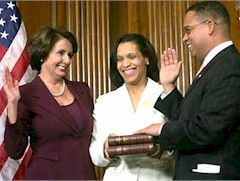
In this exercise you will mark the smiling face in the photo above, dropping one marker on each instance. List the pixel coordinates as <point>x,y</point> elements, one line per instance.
<point>58,60</point>
<point>131,64</point>
<point>196,35</point>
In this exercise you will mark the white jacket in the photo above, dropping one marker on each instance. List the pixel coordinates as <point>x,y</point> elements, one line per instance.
<point>114,113</point>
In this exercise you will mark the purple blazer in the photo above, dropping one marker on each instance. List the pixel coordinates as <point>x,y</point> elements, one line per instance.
<point>60,144</point>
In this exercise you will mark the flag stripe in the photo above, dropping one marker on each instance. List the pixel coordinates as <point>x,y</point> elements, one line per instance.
<point>3,156</point>
<point>14,55</point>
<point>21,170</point>
<point>2,101</point>
<point>22,65</point>
<point>3,50</point>
<point>9,169</point>
<point>15,50</point>
<point>2,125</point>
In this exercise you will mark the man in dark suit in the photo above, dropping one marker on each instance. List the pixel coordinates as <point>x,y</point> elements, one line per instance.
<point>204,127</point>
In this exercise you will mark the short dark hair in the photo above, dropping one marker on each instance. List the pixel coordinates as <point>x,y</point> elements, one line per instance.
<point>147,50</point>
<point>212,9</point>
<point>44,40</point>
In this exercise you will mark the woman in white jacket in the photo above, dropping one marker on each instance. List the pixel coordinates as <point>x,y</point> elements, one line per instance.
<point>134,71</point>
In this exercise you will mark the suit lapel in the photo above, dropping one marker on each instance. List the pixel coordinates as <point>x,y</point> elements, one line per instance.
<point>76,93</point>
<point>47,102</point>
<point>82,99</point>
<point>214,61</point>
<point>197,78</point>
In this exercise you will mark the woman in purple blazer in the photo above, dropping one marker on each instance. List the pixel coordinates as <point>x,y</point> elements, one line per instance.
<point>54,112</point>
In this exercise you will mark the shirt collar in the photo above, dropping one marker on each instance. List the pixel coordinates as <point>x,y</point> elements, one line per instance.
<point>215,51</point>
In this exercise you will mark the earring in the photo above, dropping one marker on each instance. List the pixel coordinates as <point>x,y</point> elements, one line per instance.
<point>147,63</point>
<point>41,60</point>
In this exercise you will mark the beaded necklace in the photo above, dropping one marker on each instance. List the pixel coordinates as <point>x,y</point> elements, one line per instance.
<point>62,91</point>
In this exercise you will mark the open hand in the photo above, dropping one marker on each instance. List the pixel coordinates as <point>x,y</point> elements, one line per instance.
<point>10,86</point>
<point>170,69</point>
<point>12,92</point>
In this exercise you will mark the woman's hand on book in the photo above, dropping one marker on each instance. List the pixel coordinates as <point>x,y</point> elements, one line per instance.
<point>106,147</point>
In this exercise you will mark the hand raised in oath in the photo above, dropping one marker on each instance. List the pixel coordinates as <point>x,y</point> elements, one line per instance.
<point>170,69</point>
<point>12,92</point>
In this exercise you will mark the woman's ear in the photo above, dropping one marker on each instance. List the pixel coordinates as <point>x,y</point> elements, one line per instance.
<point>147,61</point>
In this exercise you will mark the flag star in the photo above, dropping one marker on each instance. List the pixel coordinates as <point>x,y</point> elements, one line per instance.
<point>10,5</point>
<point>4,34</point>
<point>13,18</point>
<point>1,9</point>
<point>2,22</point>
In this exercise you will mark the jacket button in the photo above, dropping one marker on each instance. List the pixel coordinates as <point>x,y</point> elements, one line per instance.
<point>76,136</point>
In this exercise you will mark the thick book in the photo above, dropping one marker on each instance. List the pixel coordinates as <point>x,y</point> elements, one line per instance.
<point>145,148</point>
<point>130,139</point>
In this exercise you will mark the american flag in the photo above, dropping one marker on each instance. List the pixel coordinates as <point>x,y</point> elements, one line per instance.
<point>14,54</point>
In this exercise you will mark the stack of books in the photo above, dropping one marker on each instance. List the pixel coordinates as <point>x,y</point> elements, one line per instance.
<point>131,144</point>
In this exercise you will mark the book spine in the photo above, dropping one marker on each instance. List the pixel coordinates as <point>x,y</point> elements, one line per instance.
<point>130,139</point>
<point>147,148</point>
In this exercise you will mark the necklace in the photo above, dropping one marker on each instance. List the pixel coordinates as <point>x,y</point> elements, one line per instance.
<point>62,91</point>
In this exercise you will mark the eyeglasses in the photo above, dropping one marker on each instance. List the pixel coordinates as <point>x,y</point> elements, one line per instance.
<point>188,29</point>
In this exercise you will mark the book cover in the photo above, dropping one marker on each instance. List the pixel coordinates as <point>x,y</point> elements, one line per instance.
<point>130,139</point>
<point>146,148</point>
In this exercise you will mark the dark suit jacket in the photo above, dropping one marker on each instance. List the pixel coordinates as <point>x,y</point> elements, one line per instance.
<point>60,144</point>
<point>204,126</point>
